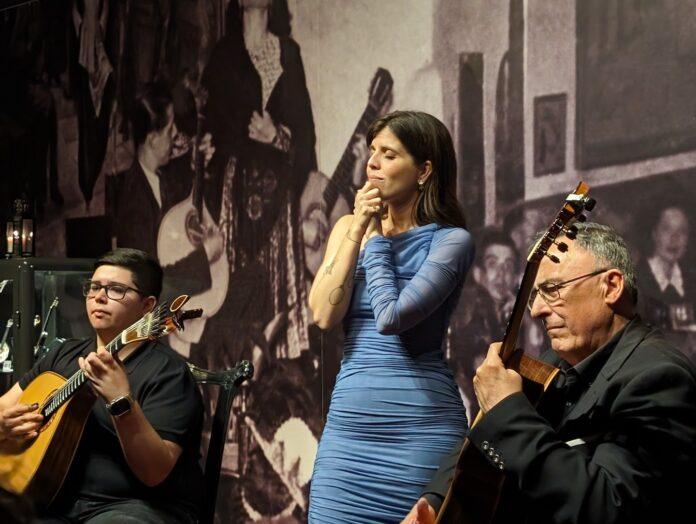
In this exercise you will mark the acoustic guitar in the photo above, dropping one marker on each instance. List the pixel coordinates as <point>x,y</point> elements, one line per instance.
<point>179,235</point>
<point>324,200</point>
<point>37,468</point>
<point>477,487</point>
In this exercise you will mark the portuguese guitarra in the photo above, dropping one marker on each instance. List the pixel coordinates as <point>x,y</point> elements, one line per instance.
<point>37,468</point>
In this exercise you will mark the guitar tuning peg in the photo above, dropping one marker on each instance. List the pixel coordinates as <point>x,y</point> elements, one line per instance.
<point>553,258</point>
<point>582,218</point>
<point>590,203</point>
<point>571,232</point>
<point>562,246</point>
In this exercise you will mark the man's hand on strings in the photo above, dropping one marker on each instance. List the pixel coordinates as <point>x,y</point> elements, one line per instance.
<point>493,382</point>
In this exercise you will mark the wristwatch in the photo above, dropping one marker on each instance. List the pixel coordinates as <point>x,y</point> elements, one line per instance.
<point>120,405</point>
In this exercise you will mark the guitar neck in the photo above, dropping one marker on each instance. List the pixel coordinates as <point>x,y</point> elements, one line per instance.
<point>512,329</point>
<point>198,163</point>
<point>341,182</point>
<point>73,384</point>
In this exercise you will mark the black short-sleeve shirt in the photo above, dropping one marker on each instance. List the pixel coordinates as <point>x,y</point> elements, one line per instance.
<point>165,390</point>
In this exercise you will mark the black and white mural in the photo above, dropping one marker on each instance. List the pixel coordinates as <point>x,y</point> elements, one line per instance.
<point>271,101</point>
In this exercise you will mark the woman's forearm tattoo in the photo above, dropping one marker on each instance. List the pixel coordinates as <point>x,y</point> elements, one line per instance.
<point>337,295</point>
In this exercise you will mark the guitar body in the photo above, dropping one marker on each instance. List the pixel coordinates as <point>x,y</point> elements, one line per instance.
<point>317,220</point>
<point>38,468</point>
<point>477,487</point>
<point>174,244</point>
<point>175,241</point>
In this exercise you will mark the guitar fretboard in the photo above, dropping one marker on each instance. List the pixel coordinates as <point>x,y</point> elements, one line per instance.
<point>73,383</point>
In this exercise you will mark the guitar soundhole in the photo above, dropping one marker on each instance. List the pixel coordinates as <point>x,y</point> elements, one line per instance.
<point>193,228</point>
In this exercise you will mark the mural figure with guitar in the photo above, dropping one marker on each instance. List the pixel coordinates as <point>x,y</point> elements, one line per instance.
<point>326,199</point>
<point>120,436</point>
<point>601,428</point>
<point>156,210</point>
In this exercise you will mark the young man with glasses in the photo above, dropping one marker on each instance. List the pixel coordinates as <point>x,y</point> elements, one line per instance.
<point>138,457</point>
<point>614,436</point>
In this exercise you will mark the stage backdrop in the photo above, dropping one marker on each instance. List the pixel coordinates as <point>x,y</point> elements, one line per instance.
<point>537,95</point>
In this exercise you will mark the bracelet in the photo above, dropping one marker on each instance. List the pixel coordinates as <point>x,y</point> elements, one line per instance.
<point>356,241</point>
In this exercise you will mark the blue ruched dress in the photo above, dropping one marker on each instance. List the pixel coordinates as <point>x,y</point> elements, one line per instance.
<point>395,409</point>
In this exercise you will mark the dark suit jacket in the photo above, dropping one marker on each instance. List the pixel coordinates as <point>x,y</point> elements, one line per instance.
<point>137,219</point>
<point>632,438</point>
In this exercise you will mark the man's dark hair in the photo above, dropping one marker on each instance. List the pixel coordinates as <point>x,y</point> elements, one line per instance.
<point>147,273</point>
<point>150,111</point>
<point>493,236</point>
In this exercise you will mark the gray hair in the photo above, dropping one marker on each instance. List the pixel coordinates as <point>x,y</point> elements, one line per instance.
<point>609,250</point>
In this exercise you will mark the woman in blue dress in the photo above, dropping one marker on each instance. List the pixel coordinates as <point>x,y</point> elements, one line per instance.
<point>393,272</point>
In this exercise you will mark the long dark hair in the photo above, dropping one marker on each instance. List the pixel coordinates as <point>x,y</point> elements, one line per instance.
<point>426,138</point>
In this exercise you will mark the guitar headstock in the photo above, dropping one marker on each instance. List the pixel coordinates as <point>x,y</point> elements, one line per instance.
<point>380,92</point>
<point>176,321</point>
<point>161,321</point>
<point>574,207</point>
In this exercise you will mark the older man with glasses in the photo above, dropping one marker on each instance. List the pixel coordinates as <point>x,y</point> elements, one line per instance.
<point>614,438</point>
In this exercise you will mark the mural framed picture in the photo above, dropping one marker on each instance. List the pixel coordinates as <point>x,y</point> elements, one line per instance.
<point>550,134</point>
<point>634,101</point>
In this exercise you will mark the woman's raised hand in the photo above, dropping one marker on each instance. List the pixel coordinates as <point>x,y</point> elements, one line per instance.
<point>368,204</point>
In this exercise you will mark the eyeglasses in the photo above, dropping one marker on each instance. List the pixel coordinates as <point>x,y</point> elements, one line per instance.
<point>550,292</point>
<point>113,291</point>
